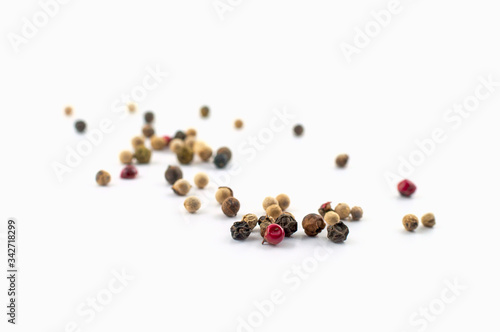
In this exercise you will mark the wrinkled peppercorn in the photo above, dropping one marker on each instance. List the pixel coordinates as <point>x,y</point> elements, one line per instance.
<point>225,150</point>
<point>251,220</point>
<point>268,219</point>
<point>428,220</point>
<point>325,208</point>
<point>142,154</point>
<point>231,206</point>
<point>149,117</point>
<point>298,130</point>
<point>313,224</point>
<point>221,160</point>
<point>342,160</point>
<point>263,227</point>
<point>80,126</point>
<point>240,230</point>
<point>103,178</point>
<point>172,174</point>
<point>180,135</point>
<point>288,223</point>
<point>338,232</point>
<point>410,222</point>
<point>185,155</point>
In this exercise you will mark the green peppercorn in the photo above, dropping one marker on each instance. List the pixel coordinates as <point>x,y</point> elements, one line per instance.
<point>142,154</point>
<point>185,155</point>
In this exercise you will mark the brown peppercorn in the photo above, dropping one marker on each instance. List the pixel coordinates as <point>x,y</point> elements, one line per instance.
<point>223,193</point>
<point>263,227</point>
<point>103,178</point>
<point>205,112</point>
<point>288,223</point>
<point>137,141</point>
<point>68,110</point>
<point>148,131</point>
<point>325,208</point>
<point>428,220</point>
<point>205,153</point>
<point>298,130</point>
<point>181,187</point>
<point>342,160</point>
<point>142,154</point>
<point>338,232</point>
<point>191,132</point>
<point>313,224</point>
<point>238,124</point>
<point>149,117</point>
<point>356,213</point>
<point>225,150</point>
<point>231,206</point>
<point>251,220</point>
<point>283,201</point>
<point>172,174</point>
<point>410,222</point>
<point>192,204</point>
<point>268,201</point>
<point>332,218</point>
<point>343,210</point>
<point>176,145</point>
<point>201,180</point>
<point>126,157</point>
<point>158,143</point>
<point>274,211</point>
<point>185,155</point>
<point>132,107</point>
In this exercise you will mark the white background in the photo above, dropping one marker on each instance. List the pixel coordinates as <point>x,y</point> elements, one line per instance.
<point>189,275</point>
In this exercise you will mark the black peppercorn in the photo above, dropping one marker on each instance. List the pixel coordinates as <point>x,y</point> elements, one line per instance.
<point>266,219</point>
<point>80,126</point>
<point>288,223</point>
<point>221,160</point>
<point>180,134</point>
<point>338,232</point>
<point>149,117</point>
<point>298,130</point>
<point>226,151</point>
<point>172,174</point>
<point>240,230</point>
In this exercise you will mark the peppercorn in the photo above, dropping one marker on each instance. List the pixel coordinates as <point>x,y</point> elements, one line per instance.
<point>143,155</point>
<point>298,130</point>
<point>149,117</point>
<point>176,145</point>
<point>338,232</point>
<point>172,174</point>
<point>180,135</point>
<point>313,224</point>
<point>191,132</point>
<point>251,220</point>
<point>190,141</point>
<point>185,155</point>
<point>274,211</point>
<point>221,160</point>
<point>205,153</point>
<point>132,107</point>
<point>325,208</point>
<point>406,188</point>
<point>288,223</point>
<point>129,172</point>
<point>283,201</point>
<point>80,126</point>
<point>240,230</point>
<point>428,220</point>
<point>238,124</point>
<point>343,210</point>
<point>205,112</point>
<point>263,227</point>
<point>157,143</point>
<point>225,150</point>
<point>126,157</point>
<point>231,206</point>
<point>68,110</point>
<point>266,218</point>
<point>137,141</point>
<point>103,178</point>
<point>201,180</point>
<point>274,234</point>
<point>410,222</point>
<point>332,218</point>
<point>342,160</point>
<point>223,193</point>
<point>148,131</point>
<point>181,187</point>
<point>167,140</point>
<point>192,204</point>
<point>356,213</point>
<point>268,201</point>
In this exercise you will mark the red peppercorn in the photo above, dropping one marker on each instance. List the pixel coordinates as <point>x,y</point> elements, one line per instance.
<point>167,140</point>
<point>129,172</point>
<point>406,188</point>
<point>274,234</point>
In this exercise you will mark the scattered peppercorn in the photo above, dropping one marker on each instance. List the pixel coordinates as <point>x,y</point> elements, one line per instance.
<point>157,143</point>
<point>313,224</point>
<point>185,155</point>
<point>190,141</point>
<point>274,234</point>
<point>332,218</point>
<point>132,107</point>
<point>342,160</point>
<point>343,210</point>
<point>274,211</point>
<point>223,193</point>
<point>263,227</point>
<point>103,178</point>
<point>298,130</point>
<point>240,230</point>
<point>149,117</point>
<point>181,187</point>
<point>268,201</point>
<point>221,160</point>
<point>225,150</point>
<point>126,157</point>
<point>338,232</point>
<point>129,172</point>
<point>192,204</point>
<point>137,141</point>
<point>325,208</point>
<point>410,222</point>
<point>283,201</point>
<point>238,124</point>
<point>142,154</point>
<point>176,145</point>
<point>191,132</point>
<point>167,140</point>
<point>266,218</point>
<point>406,188</point>
<point>148,131</point>
<point>288,223</point>
<point>68,110</point>
<point>428,220</point>
<point>172,174</point>
<point>356,213</point>
<point>251,220</point>
<point>231,206</point>
<point>80,126</point>
<point>180,135</point>
<point>201,180</point>
<point>205,153</point>
<point>205,112</point>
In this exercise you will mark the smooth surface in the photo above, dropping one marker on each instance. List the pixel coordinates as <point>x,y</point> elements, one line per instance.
<point>189,275</point>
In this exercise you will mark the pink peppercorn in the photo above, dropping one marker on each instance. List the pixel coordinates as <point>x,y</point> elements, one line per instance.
<point>167,140</point>
<point>406,188</point>
<point>274,234</point>
<point>129,172</point>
